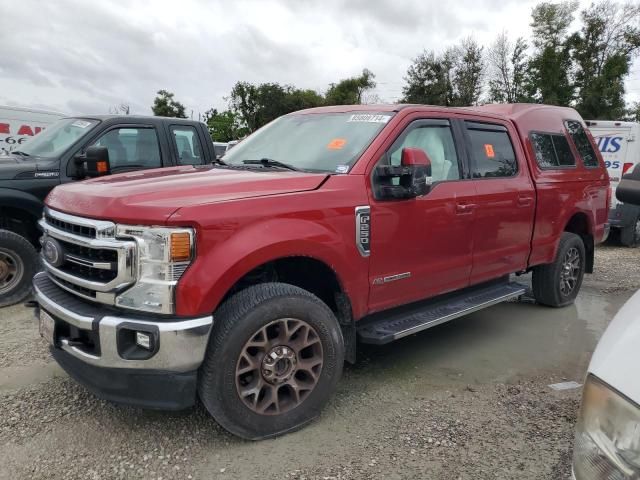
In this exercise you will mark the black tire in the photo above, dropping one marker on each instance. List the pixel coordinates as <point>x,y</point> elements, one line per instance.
<point>236,323</point>
<point>548,288</point>
<point>18,264</point>
<point>630,235</point>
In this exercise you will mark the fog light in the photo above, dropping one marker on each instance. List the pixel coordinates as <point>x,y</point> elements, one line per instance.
<point>143,340</point>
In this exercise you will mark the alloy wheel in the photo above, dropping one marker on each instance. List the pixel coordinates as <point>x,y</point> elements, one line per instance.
<point>570,271</point>
<point>11,270</point>
<point>279,366</point>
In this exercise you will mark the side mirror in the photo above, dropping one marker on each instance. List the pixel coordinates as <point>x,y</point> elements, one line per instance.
<point>628,190</point>
<point>413,174</point>
<point>94,163</point>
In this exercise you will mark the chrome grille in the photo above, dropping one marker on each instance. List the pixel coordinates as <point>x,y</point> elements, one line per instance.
<point>91,263</point>
<point>81,230</point>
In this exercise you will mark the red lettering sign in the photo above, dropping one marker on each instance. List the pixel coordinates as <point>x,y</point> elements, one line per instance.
<point>25,130</point>
<point>4,128</point>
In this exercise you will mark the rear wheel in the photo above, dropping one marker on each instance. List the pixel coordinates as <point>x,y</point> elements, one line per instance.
<point>630,235</point>
<point>18,265</point>
<point>274,358</point>
<point>557,284</point>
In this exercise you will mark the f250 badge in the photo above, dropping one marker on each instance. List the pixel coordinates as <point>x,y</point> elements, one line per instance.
<point>363,230</point>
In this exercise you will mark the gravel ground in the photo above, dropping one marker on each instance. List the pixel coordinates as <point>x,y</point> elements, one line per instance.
<point>616,269</point>
<point>467,400</point>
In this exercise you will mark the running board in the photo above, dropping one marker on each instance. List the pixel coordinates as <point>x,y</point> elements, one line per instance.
<point>385,327</point>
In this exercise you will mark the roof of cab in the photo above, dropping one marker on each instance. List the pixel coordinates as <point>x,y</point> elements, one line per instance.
<point>134,118</point>
<point>513,111</point>
<point>393,107</point>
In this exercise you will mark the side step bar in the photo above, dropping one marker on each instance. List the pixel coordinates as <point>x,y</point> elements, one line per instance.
<point>385,327</point>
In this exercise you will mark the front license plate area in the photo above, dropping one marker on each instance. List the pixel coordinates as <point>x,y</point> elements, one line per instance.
<point>47,327</point>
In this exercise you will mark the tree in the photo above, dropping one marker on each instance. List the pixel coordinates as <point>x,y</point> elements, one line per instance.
<point>507,70</point>
<point>602,54</point>
<point>223,126</point>
<point>633,113</point>
<point>300,99</point>
<point>243,102</point>
<point>454,78</point>
<point>550,66</point>
<point>349,91</point>
<point>165,106</point>
<point>428,79</point>
<point>468,73</point>
<point>257,105</point>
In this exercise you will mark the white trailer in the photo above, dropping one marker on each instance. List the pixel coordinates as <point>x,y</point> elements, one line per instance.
<point>17,125</point>
<point>619,143</point>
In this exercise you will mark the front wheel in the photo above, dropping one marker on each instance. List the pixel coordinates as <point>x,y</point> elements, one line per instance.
<point>18,265</point>
<point>275,355</point>
<point>557,284</point>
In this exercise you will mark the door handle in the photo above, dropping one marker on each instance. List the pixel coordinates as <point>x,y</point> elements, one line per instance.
<point>464,208</point>
<point>525,200</point>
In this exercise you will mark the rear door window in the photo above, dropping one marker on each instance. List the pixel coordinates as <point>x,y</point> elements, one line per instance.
<point>491,151</point>
<point>187,145</point>
<point>582,143</point>
<point>552,150</point>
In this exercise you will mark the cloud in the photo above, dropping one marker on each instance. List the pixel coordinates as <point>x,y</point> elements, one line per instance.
<point>85,57</point>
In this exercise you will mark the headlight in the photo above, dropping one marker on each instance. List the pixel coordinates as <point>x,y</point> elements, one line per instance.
<point>163,256</point>
<point>607,445</point>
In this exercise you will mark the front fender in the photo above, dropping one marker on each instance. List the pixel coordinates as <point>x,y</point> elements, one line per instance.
<point>20,200</point>
<point>221,262</point>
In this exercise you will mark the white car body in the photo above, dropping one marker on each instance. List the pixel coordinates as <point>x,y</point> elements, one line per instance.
<point>616,360</point>
<point>17,125</point>
<point>607,444</point>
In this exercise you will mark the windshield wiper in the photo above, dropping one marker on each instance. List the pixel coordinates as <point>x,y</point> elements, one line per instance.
<point>18,152</point>
<point>269,162</point>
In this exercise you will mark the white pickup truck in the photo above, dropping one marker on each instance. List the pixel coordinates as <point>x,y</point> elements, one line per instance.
<point>607,444</point>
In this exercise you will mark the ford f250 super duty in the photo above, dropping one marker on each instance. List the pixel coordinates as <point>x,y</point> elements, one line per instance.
<point>249,283</point>
<point>59,154</point>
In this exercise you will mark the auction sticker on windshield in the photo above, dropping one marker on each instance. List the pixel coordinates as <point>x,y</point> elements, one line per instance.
<point>337,144</point>
<point>81,124</point>
<point>369,118</point>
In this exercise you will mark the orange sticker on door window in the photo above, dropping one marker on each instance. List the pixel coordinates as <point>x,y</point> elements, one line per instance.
<point>336,144</point>
<point>488,149</point>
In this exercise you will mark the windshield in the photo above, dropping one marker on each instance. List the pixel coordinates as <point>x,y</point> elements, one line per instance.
<point>324,142</point>
<point>57,137</point>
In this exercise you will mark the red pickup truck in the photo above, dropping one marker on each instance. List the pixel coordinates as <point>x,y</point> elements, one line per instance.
<point>249,282</point>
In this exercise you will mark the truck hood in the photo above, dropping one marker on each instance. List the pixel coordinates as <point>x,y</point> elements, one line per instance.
<point>616,358</point>
<point>152,196</point>
<point>12,166</point>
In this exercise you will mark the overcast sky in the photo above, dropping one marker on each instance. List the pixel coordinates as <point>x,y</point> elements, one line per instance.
<point>79,56</point>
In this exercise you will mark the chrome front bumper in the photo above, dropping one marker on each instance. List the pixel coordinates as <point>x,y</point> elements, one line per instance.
<point>181,343</point>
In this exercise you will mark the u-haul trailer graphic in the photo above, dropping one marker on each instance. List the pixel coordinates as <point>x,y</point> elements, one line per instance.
<point>17,125</point>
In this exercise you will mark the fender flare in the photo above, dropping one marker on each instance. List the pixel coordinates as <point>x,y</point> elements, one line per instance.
<point>20,200</point>
<point>589,249</point>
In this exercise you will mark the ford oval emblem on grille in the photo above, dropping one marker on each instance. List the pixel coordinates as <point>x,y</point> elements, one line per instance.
<point>53,252</point>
